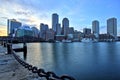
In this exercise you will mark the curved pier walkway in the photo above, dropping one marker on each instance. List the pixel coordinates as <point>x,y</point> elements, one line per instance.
<point>10,69</point>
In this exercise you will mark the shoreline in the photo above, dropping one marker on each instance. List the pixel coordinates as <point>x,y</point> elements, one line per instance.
<point>10,69</point>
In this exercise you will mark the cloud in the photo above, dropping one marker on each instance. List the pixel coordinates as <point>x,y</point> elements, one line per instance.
<point>2,24</point>
<point>3,21</point>
<point>102,27</point>
<point>34,12</point>
<point>3,31</point>
<point>4,17</point>
<point>25,20</point>
<point>22,13</point>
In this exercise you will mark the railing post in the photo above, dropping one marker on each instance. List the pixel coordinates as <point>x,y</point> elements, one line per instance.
<point>24,50</point>
<point>1,42</point>
<point>9,46</point>
<point>4,44</point>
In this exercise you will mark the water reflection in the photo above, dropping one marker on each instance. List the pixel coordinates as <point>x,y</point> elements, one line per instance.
<point>34,55</point>
<point>84,61</point>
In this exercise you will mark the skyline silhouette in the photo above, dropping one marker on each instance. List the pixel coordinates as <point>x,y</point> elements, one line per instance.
<point>80,13</point>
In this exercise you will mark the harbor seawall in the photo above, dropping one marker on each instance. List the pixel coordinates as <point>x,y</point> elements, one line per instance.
<point>10,69</point>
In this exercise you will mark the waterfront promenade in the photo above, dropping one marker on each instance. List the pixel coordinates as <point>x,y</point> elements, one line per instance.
<point>10,69</point>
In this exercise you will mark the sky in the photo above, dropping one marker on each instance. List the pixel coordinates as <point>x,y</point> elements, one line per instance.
<point>80,13</point>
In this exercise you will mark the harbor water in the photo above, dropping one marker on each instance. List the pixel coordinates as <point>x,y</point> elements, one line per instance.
<point>83,61</point>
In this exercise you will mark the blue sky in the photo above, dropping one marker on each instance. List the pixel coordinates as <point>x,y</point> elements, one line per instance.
<point>80,13</point>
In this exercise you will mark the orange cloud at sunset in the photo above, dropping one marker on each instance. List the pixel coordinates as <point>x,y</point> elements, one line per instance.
<point>3,32</point>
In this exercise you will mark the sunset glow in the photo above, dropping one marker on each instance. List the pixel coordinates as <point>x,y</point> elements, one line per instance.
<point>80,13</point>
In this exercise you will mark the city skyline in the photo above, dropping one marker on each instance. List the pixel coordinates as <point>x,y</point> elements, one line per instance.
<point>80,13</point>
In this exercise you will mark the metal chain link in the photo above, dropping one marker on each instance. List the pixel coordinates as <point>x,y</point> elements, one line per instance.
<point>41,73</point>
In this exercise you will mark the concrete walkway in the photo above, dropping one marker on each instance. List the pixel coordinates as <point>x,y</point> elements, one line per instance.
<point>10,69</point>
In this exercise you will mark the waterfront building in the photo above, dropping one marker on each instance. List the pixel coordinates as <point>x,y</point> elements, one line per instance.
<point>70,36</point>
<point>65,26</point>
<point>106,37</point>
<point>71,30</point>
<point>77,36</point>
<point>43,29</point>
<point>55,21</point>
<point>58,30</point>
<point>60,37</point>
<point>12,25</point>
<point>23,31</point>
<point>50,35</point>
<point>70,33</point>
<point>87,31</point>
<point>95,28</point>
<point>112,27</point>
<point>35,32</point>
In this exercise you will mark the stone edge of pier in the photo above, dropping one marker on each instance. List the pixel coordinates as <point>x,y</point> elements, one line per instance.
<point>10,69</point>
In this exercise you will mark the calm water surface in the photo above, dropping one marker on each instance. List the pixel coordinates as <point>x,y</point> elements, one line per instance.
<point>83,61</point>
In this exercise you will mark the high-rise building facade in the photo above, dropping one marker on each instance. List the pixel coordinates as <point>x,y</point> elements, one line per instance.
<point>12,25</point>
<point>65,26</point>
<point>112,27</point>
<point>95,28</point>
<point>43,29</point>
<point>71,30</point>
<point>50,34</point>
<point>24,31</point>
<point>87,31</point>
<point>55,21</point>
<point>35,32</point>
<point>58,30</point>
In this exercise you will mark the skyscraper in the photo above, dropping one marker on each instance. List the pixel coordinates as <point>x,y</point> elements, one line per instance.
<point>112,27</point>
<point>95,28</point>
<point>43,29</point>
<point>49,35</point>
<point>55,20</point>
<point>58,30</point>
<point>12,25</point>
<point>65,26</point>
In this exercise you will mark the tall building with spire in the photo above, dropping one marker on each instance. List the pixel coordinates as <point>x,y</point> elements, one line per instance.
<point>112,27</point>
<point>55,21</point>
<point>95,28</point>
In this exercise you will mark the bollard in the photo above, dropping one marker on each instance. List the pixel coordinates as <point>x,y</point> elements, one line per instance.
<point>4,44</point>
<point>0,42</point>
<point>9,48</point>
<point>25,50</point>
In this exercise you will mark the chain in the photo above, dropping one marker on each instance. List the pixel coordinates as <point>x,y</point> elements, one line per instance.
<point>41,73</point>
